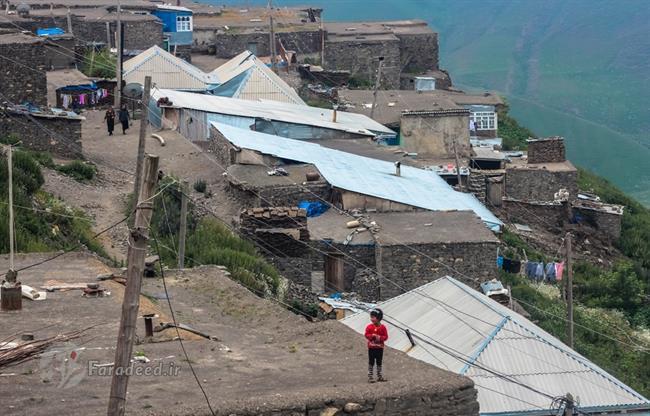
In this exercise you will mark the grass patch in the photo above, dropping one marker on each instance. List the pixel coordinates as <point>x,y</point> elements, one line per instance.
<point>78,170</point>
<point>514,135</point>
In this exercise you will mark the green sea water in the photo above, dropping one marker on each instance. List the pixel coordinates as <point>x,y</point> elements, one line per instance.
<point>575,68</point>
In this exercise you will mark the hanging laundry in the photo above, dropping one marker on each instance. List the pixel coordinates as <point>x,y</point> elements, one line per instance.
<point>507,264</point>
<point>499,262</point>
<point>515,267</point>
<point>531,268</point>
<point>65,100</point>
<point>82,99</point>
<point>550,272</point>
<point>559,269</point>
<point>539,271</point>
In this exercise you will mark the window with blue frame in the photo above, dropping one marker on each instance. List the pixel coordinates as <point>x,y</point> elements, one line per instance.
<point>183,23</point>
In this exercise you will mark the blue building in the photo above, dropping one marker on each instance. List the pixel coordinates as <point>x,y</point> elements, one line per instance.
<point>177,25</point>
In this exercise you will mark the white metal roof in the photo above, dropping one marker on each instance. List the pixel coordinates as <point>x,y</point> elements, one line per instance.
<point>277,111</point>
<point>166,71</point>
<point>416,187</point>
<point>258,80</point>
<point>454,316</point>
<point>175,8</point>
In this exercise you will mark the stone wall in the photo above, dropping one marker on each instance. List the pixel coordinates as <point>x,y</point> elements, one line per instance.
<point>546,150</point>
<point>228,45</point>
<point>542,215</point>
<point>60,52</point>
<point>359,56</point>
<point>204,40</point>
<point>18,84</point>
<point>607,223</point>
<point>433,133</point>
<point>425,402</point>
<point>409,269</point>
<point>138,34</point>
<point>57,135</point>
<point>418,52</point>
<point>528,183</point>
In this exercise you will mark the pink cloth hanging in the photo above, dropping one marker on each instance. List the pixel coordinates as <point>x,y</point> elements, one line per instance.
<point>559,269</point>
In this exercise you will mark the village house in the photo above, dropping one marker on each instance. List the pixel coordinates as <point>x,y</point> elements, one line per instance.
<point>20,85</point>
<point>228,31</point>
<point>503,350</point>
<point>191,115</point>
<point>408,48</point>
<point>177,29</point>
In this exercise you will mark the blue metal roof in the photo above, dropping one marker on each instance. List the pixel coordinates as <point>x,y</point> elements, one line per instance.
<point>416,187</point>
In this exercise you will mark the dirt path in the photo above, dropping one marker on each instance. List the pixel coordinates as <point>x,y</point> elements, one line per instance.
<point>104,198</point>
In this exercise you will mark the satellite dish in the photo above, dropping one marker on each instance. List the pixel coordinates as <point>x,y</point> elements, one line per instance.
<point>133,90</point>
<point>22,9</point>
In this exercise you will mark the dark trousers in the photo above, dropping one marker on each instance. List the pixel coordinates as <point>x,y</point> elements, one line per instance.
<point>375,356</point>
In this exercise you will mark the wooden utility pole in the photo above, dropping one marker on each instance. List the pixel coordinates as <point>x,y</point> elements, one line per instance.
<point>272,45</point>
<point>183,227</point>
<point>131,303</point>
<point>377,84</point>
<point>460,183</point>
<point>11,290</point>
<point>144,119</point>
<point>118,67</point>
<point>569,291</point>
<point>322,42</point>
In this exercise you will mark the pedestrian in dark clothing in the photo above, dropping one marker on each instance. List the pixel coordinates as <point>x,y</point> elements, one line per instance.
<point>376,334</point>
<point>124,119</point>
<point>110,120</point>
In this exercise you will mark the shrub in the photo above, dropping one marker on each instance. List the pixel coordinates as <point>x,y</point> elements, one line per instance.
<point>200,186</point>
<point>79,170</point>
<point>99,64</point>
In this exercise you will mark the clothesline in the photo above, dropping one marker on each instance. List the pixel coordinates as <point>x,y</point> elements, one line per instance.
<point>85,99</point>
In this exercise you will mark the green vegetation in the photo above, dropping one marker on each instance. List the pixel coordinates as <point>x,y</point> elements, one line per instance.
<point>359,82</point>
<point>79,170</point>
<point>514,135</point>
<point>210,242</point>
<point>99,64</point>
<point>42,222</point>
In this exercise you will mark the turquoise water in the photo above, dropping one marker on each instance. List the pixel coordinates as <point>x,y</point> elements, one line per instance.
<point>575,68</point>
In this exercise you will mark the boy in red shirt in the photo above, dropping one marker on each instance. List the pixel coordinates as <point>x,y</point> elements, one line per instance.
<point>376,334</point>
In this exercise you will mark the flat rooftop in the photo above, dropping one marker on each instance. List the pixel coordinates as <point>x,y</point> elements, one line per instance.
<point>126,4</point>
<point>248,19</point>
<point>13,38</point>
<point>396,228</point>
<point>266,358</point>
<point>391,103</point>
<point>414,27</point>
<point>257,176</point>
<point>522,164</point>
<point>96,14</point>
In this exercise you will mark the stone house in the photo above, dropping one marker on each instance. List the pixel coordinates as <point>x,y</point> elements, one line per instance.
<point>438,133</point>
<point>57,133</point>
<point>605,218</point>
<point>408,47</point>
<point>23,65</point>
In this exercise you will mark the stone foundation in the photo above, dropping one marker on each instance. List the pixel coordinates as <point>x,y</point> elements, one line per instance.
<point>546,150</point>
<point>605,218</point>
<point>543,215</point>
<point>58,135</point>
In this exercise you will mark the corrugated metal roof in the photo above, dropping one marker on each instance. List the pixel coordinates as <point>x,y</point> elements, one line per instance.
<point>272,110</point>
<point>166,71</point>
<point>174,8</point>
<point>260,81</point>
<point>498,338</point>
<point>416,187</point>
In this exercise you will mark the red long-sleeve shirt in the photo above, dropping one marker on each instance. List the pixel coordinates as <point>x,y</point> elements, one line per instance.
<point>376,335</point>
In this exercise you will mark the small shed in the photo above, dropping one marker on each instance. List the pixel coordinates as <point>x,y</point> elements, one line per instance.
<point>177,23</point>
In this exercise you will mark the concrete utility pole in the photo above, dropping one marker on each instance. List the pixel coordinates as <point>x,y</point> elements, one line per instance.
<point>183,227</point>
<point>118,45</point>
<point>69,22</point>
<point>131,303</point>
<point>322,42</point>
<point>11,290</point>
<point>569,290</point>
<point>272,38</point>
<point>144,119</point>
<point>377,84</point>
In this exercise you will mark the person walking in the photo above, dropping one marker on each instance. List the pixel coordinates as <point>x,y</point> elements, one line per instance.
<point>110,120</point>
<point>376,334</point>
<point>124,118</point>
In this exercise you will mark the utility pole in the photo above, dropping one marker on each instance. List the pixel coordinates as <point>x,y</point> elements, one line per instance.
<point>183,228</point>
<point>69,22</point>
<point>322,42</point>
<point>568,410</point>
<point>144,119</point>
<point>460,183</point>
<point>569,290</point>
<point>272,38</point>
<point>11,290</point>
<point>118,45</point>
<point>377,83</point>
<point>131,303</point>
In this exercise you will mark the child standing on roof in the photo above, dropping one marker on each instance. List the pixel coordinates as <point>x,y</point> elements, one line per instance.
<point>376,334</point>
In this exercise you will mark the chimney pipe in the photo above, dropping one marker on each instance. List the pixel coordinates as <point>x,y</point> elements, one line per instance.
<point>335,107</point>
<point>398,169</point>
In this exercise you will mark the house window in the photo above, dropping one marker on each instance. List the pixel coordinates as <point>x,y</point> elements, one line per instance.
<point>484,120</point>
<point>183,23</point>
